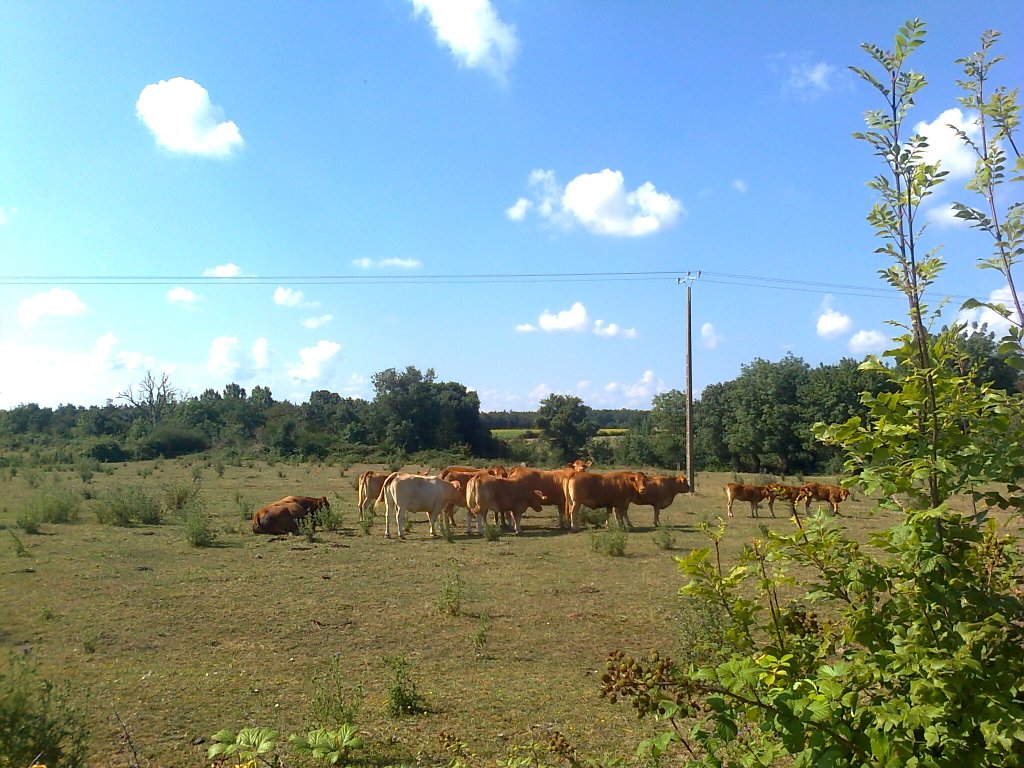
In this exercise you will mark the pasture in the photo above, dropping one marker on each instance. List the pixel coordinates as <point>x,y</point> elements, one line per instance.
<point>180,642</point>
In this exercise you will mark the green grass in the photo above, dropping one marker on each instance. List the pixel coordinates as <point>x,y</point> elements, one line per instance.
<point>184,641</point>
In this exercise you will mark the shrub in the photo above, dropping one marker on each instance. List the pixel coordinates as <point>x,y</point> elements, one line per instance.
<point>402,697</point>
<point>492,532</point>
<point>198,524</point>
<point>32,477</point>
<point>177,495</point>
<point>663,539</point>
<point>37,725</point>
<point>28,521</point>
<point>127,505</point>
<point>595,518</point>
<point>307,527</point>
<point>450,601</point>
<point>331,519</point>
<point>611,542</point>
<point>334,700</point>
<point>56,505</point>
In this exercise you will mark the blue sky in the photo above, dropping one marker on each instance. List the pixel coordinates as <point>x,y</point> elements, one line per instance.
<point>300,195</point>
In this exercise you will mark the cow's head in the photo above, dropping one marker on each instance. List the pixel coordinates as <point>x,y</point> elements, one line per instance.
<point>537,501</point>
<point>638,480</point>
<point>580,465</point>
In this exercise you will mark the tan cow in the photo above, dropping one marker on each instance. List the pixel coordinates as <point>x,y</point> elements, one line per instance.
<point>499,495</point>
<point>754,494</point>
<point>661,491</point>
<point>404,493</point>
<point>832,494</point>
<point>370,483</point>
<point>549,483</point>
<point>613,491</point>
<point>788,493</point>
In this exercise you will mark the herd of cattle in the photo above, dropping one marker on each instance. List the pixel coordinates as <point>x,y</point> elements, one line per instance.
<point>507,494</point>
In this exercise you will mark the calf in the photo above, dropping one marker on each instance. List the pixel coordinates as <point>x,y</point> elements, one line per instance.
<point>788,493</point>
<point>499,495</point>
<point>832,494</point>
<point>751,493</point>
<point>613,491</point>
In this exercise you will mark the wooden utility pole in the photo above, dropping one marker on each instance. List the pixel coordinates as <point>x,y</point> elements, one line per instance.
<point>689,380</point>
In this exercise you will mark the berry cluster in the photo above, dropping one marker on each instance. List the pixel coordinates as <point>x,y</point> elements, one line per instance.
<point>646,686</point>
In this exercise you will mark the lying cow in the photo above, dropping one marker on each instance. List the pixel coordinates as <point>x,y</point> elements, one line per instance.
<point>613,491</point>
<point>499,495</point>
<point>404,493</point>
<point>832,494</point>
<point>661,491</point>
<point>754,494</point>
<point>278,518</point>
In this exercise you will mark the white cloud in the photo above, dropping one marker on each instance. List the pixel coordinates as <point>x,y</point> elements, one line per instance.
<point>868,343</point>
<point>57,302</point>
<point>612,329</point>
<point>287,297</point>
<point>740,186</point>
<point>639,393</point>
<point>365,263</point>
<point>517,211</point>
<point>222,360</point>
<point>223,270</point>
<point>6,214</point>
<point>944,215</point>
<point>525,328</point>
<point>808,79</point>
<point>946,147</point>
<point>996,323</point>
<point>316,322</point>
<point>831,322</point>
<point>709,336</point>
<point>313,361</point>
<point>105,355</point>
<point>180,116</point>
<point>599,202</point>
<point>473,33</point>
<point>181,295</point>
<point>261,353</point>
<point>572,319</point>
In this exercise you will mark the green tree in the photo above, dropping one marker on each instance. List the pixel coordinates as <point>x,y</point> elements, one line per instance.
<point>564,422</point>
<point>668,420</point>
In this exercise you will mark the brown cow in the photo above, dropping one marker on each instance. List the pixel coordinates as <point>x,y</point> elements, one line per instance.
<point>370,483</point>
<point>661,491</point>
<point>788,493</point>
<point>463,475</point>
<point>277,518</point>
<point>752,493</point>
<point>613,491</point>
<point>499,495</point>
<point>832,494</point>
<point>309,504</point>
<point>549,483</point>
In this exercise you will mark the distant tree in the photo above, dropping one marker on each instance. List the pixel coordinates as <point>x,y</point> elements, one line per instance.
<point>153,399</point>
<point>564,422</point>
<point>668,420</point>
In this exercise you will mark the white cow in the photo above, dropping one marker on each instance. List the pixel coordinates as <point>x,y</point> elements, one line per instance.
<point>404,493</point>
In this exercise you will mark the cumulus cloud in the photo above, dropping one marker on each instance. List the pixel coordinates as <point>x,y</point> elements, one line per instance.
<point>709,336</point>
<point>740,186</point>
<point>181,295</point>
<point>868,343</point>
<point>572,319</point>
<point>811,78</point>
<point>397,263</point>
<point>107,356</point>
<point>996,323</point>
<point>179,114</point>
<point>944,215</point>
<point>601,328</point>
<point>287,297</point>
<point>223,357</point>
<point>525,328</point>
<point>56,302</point>
<point>261,353</point>
<point>317,322</point>
<point>223,270</point>
<point>831,322</point>
<point>599,202</point>
<point>473,33</point>
<point>946,147</point>
<point>638,393</point>
<point>313,361</point>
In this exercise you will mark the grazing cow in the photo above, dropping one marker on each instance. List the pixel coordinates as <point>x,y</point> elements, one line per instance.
<point>611,491</point>
<point>788,493</point>
<point>549,483</point>
<point>752,493</point>
<point>404,493</point>
<point>832,494</point>
<point>499,495</point>
<point>660,492</point>
<point>370,483</point>
<point>277,518</point>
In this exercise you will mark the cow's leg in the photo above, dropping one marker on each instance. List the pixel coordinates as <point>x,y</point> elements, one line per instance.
<point>517,516</point>
<point>570,512</point>
<point>400,514</point>
<point>753,509</point>
<point>432,516</point>
<point>623,516</point>
<point>657,520</point>
<point>562,511</point>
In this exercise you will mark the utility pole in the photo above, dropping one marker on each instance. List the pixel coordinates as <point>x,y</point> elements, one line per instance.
<point>689,280</point>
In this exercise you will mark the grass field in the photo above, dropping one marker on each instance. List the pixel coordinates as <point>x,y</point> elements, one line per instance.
<point>180,642</point>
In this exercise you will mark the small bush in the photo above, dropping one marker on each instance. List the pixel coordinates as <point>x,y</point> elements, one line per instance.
<point>56,505</point>
<point>334,700</point>
<point>198,524</point>
<point>37,724</point>
<point>126,506</point>
<point>595,518</point>
<point>307,528</point>
<point>450,601</point>
<point>492,532</point>
<point>663,539</point>
<point>331,519</point>
<point>611,542</point>
<point>20,550</point>
<point>445,529</point>
<point>176,495</point>
<point>29,521</point>
<point>218,467</point>
<point>366,521</point>
<point>32,477</point>
<point>402,697</point>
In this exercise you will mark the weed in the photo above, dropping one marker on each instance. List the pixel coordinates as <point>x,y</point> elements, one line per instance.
<point>218,467</point>
<point>32,477</point>
<point>366,521</point>
<point>56,505</point>
<point>245,507</point>
<point>492,532</point>
<point>483,627</point>
<point>196,473</point>
<point>446,530</point>
<point>90,643</point>
<point>20,550</point>
<point>127,505</point>
<point>46,613</point>
<point>450,601</point>
<point>328,746</point>
<point>176,495</point>
<point>331,519</point>
<point>663,539</point>
<point>145,472</point>
<point>29,521</point>
<point>402,697</point>
<point>37,724</point>
<point>595,518</point>
<point>307,527</point>
<point>611,542</point>
<point>198,525</point>
<point>334,700</point>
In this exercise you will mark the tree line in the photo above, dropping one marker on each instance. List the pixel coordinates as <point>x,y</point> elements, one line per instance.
<point>761,421</point>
